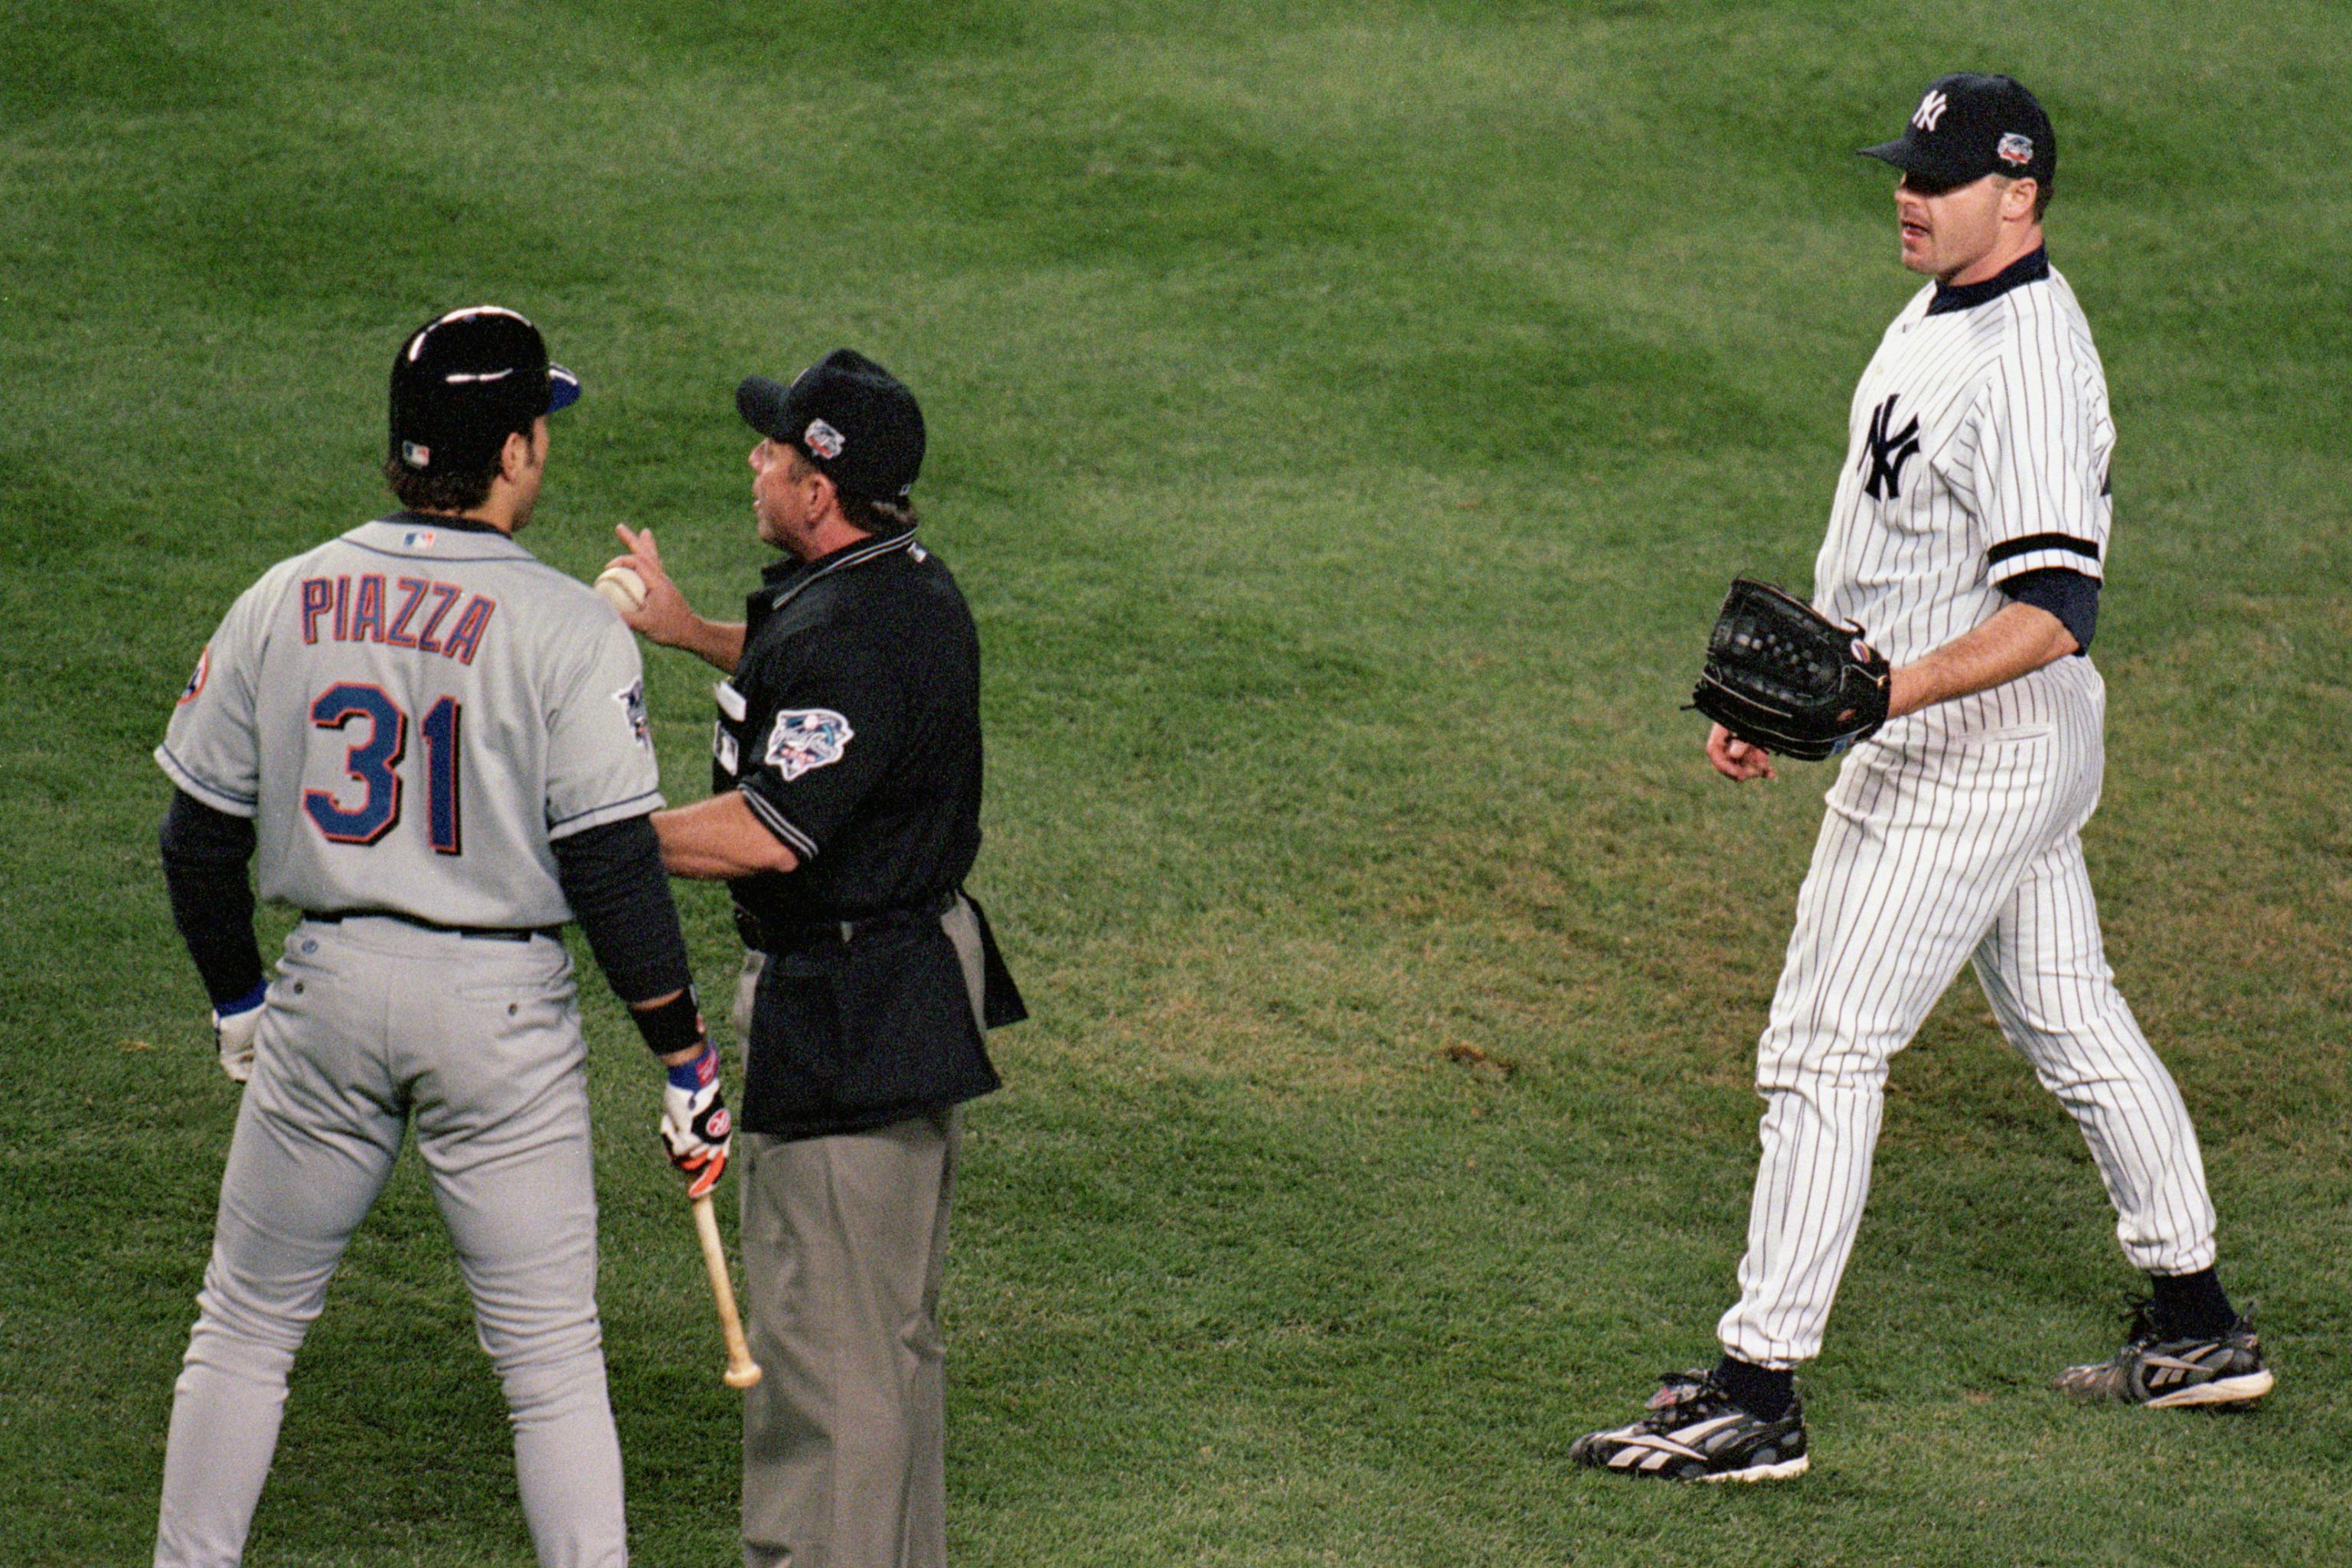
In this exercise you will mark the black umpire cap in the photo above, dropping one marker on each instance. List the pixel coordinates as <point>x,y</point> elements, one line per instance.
<point>1968,126</point>
<point>464,382</point>
<point>849,416</point>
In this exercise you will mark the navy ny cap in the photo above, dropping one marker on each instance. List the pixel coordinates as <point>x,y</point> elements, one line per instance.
<point>465,381</point>
<point>1968,126</point>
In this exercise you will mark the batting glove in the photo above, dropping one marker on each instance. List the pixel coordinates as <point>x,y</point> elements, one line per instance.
<point>695,1126</point>
<point>233,1026</point>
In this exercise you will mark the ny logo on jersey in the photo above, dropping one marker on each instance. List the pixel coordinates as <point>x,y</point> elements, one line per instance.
<point>1888,450</point>
<point>1931,109</point>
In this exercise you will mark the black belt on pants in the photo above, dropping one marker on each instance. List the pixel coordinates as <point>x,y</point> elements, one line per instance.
<point>790,936</point>
<point>487,933</point>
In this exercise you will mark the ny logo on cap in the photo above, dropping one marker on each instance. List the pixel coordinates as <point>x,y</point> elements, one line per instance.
<point>824,440</point>
<point>1931,109</point>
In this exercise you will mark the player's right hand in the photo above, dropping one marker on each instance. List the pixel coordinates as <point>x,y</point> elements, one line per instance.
<point>664,617</point>
<point>695,1126</point>
<point>233,1027</point>
<point>1735,759</point>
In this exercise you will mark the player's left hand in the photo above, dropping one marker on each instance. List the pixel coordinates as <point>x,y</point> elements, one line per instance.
<point>695,1126</point>
<point>1735,759</point>
<point>234,1028</point>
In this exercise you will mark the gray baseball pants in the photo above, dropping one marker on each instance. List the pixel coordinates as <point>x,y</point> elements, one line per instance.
<point>844,1243</point>
<point>372,1027</point>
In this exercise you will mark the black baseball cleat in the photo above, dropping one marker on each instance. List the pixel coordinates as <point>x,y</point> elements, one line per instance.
<point>2226,1369</point>
<point>1695,1432</point>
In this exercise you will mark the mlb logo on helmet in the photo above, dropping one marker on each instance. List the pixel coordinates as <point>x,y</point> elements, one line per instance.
<point>2015,149</point>
<point>824,440</point>
<point>415,453</point>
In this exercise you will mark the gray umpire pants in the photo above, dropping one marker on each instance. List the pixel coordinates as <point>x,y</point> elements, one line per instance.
<point>845,1241</point>
<point>374,1027</point>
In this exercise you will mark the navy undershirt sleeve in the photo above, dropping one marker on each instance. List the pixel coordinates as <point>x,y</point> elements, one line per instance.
<point>612,878</point>
<point>2071,597</point>
<point>204,857</point>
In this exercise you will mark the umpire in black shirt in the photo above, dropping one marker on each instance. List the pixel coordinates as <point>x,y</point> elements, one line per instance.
<point>845,816</point>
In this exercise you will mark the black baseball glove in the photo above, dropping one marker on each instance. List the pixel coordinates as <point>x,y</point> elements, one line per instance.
<point>1782,676</point>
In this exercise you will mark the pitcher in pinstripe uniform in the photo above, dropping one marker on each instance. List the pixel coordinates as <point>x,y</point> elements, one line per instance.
<point>1968,536</point>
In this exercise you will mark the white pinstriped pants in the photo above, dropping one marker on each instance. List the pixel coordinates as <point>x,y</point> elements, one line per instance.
<point>1950,840</point>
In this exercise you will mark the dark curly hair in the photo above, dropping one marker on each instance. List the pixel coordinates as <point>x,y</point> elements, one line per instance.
<point>455,490</point>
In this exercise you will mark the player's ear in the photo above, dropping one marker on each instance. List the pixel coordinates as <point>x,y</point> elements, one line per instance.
<point>2017,202</point>
<point>515,456</point>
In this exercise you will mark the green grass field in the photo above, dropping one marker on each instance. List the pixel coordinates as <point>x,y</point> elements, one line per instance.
<point>1344,419</point>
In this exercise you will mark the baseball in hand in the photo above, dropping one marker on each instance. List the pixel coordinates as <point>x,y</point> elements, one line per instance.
<point>622,588</point>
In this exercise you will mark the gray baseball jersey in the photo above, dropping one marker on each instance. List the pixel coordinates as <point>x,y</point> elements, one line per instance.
<point>1979,451</point>
<point>459,707</point>
<point>411,714</point>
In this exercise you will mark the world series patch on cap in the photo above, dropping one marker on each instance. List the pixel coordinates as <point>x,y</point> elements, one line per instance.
<point>856,421</point>
<point>1970,125</point>
<point>464,381</point>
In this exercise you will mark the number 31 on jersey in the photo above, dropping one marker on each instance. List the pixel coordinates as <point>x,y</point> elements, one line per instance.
<point>373,760</point>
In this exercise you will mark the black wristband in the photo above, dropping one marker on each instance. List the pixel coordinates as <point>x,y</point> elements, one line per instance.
<point>674,1025</point>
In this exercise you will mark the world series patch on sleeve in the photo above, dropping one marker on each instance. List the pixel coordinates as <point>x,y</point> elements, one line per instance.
<point>1782,676</point>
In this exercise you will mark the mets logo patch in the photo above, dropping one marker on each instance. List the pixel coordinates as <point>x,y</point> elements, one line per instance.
<point>632,699</point>
<point>196,681</point>
<point>807,738</point>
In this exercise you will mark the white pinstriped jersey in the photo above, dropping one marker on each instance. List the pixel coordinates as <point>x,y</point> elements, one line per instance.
<point>412,714</point>
<point>1980,445</point>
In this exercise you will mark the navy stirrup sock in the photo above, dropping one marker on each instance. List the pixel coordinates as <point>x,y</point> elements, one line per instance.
<point>1758,1390</point>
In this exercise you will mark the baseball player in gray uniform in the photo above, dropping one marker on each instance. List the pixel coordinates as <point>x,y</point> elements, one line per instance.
<point>1968,537</point>
<point>437,749</point>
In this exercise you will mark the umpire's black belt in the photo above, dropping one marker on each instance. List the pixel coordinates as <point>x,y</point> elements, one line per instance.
<point>794,936</point>
<point>487,933</point>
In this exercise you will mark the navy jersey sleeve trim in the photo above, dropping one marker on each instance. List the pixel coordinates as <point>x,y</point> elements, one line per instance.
<point>2009,548</point>
<point>2071,597</point>
<point>227,802</point>
<point>650,800</point>
<point>777,822</point>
